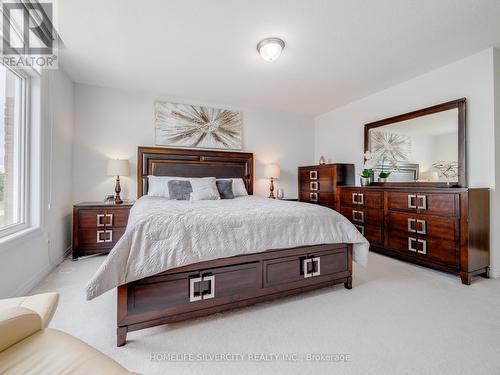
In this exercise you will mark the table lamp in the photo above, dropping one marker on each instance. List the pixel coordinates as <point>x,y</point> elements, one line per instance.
<point>272,171</point>
<point>118,167</point>
<point>428,176</point>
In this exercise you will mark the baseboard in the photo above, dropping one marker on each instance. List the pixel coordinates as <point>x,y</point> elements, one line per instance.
<point>68,252</point>
<point>28,286</point>
<point>494,273</point>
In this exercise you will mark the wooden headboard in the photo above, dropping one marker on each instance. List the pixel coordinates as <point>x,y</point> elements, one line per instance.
<point>159,161</point>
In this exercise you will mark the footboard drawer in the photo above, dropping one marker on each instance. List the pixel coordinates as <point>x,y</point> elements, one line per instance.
<point>193,290</point>
<point>222,284</point>
<point>306,267</point>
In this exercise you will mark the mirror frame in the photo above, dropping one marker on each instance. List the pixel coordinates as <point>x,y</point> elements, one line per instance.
<point>462,160</point>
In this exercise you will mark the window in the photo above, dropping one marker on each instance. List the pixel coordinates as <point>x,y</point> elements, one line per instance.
<point>13,160</point>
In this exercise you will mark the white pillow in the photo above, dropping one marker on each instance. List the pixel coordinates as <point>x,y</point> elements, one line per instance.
<point>239,189</point>
<point>204,189</point>
<point>158,185</point>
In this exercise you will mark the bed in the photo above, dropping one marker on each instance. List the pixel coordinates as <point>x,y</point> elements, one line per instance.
<point>181,259</point>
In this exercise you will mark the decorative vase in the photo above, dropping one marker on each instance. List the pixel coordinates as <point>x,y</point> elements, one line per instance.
<point>365,181</point>
<point>382,179</point>
<point>280,194</point>
<point>322,160</point>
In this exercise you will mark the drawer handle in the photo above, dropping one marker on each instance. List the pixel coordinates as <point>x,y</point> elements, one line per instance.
<point>413,228</point>
<point>410,244</point>
<point>305,264</point>
<point>316,261</point>
<point>411,225</point>
<point>198,295</point>
<point>313,197</point>
<point>423,205</point>
<point>110,219</point>
<point>99,220</point>
<point>423,227</point>
<point>361,228</point>
<point>357,198</point>
<point>193,294</point>
<point>313,175</point>
<point>361,199</point>
<point>361,214</point>
<point>99,239</point>
<point>411,197</point>
<point>110,238</point>
<point>314,185</point>
<point>210,293</point>
<point>424,247</point>
<point>315,265</point>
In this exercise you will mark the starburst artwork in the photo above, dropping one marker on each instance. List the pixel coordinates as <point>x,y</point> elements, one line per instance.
<point>447,169</point>
<point>187,125</point>
<point>389,147</point>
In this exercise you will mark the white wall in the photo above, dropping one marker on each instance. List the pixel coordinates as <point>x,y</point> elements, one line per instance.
<point>422,148</point>
<point>339,133</point>
<point>446,147</point>
<point>111,123</point>
<point>495,261</point>
<point>26,260</point>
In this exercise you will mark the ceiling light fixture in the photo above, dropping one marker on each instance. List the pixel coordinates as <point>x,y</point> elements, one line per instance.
<point>270,48</point>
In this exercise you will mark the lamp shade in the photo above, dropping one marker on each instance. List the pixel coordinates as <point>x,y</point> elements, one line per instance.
<point>428,176</point>
<point>118,167</point>
<point>272,170</point>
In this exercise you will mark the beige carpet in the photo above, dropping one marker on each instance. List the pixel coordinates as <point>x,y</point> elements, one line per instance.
<point>397,319</point>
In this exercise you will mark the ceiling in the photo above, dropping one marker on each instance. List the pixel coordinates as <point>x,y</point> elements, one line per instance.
<point>336,51</point>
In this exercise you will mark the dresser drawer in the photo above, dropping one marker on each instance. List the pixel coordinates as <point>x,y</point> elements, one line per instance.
<point>324,199</point>
<point>438,250</point>
<point>283,270</point>
<point>398,241</point>
<point>374,234</point>
<point>440,227</point>
<point>299,268</point>
<point>323,185</point>
<point>424,225</point>
<point>429,203</point>
<point>117,217</point>
<point>315,174</point>
<point>193,290</point>
<point>363,198</point>
<point>92,218</point>
<point>99,237</point>
<point>320,179</point>
<point>97,218</point>
<point>433,249</point>
<point>361,215</point>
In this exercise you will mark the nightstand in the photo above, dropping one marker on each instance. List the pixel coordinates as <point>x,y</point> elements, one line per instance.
<point>97,226</point>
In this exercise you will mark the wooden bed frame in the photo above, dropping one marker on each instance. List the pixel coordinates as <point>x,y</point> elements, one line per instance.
<point>205,288</point>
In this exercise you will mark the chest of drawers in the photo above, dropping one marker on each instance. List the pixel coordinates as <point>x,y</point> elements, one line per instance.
<point>446,229</point>
<point>318,183</point>
<point>97,227</point>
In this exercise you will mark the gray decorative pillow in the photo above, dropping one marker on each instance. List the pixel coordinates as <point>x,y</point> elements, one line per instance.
<point>179,190</point>
<point>225,188</point>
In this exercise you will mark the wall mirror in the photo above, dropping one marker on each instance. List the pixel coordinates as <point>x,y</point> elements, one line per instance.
<point>420,148</point>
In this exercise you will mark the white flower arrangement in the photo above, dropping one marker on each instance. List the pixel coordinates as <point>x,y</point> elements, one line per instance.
<point>370,161</point>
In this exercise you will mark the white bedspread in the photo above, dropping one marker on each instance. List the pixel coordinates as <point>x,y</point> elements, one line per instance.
<point>163,234</point>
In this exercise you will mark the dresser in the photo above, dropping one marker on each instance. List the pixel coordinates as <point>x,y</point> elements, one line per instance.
<point>98,226</point>
<point>441,228</point>
<point>318,183</point>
